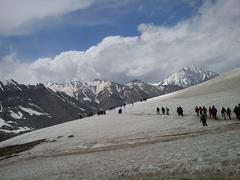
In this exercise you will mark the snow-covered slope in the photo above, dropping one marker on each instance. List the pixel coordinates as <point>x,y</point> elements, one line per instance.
<point>189,76</point>
<point>138,143</point>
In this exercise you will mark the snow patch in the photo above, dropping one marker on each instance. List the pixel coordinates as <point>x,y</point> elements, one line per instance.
<point>17,115</point>
<point>31,111</point>
<point>87,99</point>
<point>118,88</point>
<point>20,129</point>
<point>34,105</point>
<point>2,122</point>
<point>1,108</point>
<point>1,87</point>
<point>97,101</point>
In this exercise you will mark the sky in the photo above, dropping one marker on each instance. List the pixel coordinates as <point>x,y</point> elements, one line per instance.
<point>69,40</point>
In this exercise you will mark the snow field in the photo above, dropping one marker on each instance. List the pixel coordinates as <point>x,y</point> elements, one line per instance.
<point>139,143</point>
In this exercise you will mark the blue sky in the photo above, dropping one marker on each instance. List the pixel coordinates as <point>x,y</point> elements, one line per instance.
<point>83,28</point>
<point>68,40</point>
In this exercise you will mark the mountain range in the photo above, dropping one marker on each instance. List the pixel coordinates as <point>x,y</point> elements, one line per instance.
<point>25,108</point>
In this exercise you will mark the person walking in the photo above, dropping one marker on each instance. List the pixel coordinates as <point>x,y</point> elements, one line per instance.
<point>163,110</point>
<point>223,112</point>
<point>229,111</point>
<point>235,111</point>
<point>167,110</point>
<point>214,112</point>
<point>203,118</point>
<point>120,111</point>
<point>197,110</point>
<point>200,110</point>
<point>210,112</point>
<point>180,111</point>
<point>204,109</point>
<point>238,112</point>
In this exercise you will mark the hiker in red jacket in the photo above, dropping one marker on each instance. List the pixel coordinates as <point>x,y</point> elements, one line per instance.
<point>210,112</point>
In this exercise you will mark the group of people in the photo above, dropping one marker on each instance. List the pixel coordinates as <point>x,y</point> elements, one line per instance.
<point>101,112</point>
<point>164,110</point>
<point>225,112</point>
<point>212,112</point>
<point>201,112</point>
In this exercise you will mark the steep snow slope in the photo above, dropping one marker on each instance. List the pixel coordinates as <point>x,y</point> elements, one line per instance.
<point>138,143</point>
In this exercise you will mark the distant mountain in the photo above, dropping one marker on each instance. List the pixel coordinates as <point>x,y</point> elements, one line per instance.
<point>106,94</point>
<point>28,107</point>
<point>188,76</point>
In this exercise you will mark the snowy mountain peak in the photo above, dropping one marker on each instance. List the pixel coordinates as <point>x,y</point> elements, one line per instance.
<point>189,76</point>
<point>99,85</point>
<point>193,68</point>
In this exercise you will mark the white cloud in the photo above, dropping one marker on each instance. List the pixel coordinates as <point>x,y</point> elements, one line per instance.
<point>16,15</point>
<point>12,68</point>
<point>211,39</point>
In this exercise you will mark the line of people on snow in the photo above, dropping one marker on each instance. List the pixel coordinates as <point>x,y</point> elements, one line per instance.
<point>212,112</point>
<point>164,110</point>
<point>202,112</point>
<point>101,112</point>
